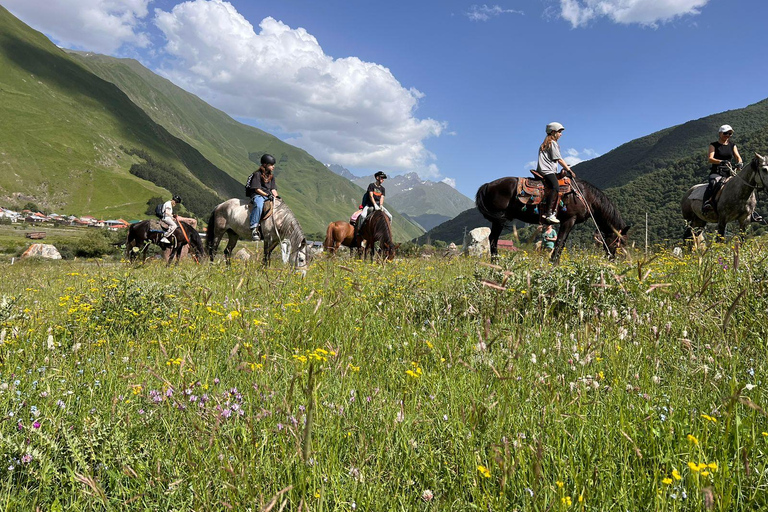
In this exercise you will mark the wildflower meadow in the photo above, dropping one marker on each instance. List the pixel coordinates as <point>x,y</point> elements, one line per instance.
<point>442,384</point>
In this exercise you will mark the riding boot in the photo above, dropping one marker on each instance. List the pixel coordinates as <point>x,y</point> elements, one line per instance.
<point>357,232</point>
<point>708,206</point>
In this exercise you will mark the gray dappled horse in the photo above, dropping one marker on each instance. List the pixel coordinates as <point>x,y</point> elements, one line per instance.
<point>281,228</point>
<point>737,200</point>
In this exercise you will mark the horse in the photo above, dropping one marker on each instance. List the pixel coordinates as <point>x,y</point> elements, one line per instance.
<point>340,233</point>
<point>497,202</point>
<point>280,228</point>
<point>377,228</point>
<point>141,234</point>
<point>736,203</point>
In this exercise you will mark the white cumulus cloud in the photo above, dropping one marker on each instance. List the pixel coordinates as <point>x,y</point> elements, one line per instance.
<point>98,25</point>
<point>642,12</point>
<point>450,182</point>
<point>485,13</point>
<point>342,110</point>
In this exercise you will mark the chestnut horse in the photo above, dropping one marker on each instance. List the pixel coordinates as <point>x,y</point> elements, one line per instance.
<point>377,229</point>
<point>498,203</point>
<point>340,233</point>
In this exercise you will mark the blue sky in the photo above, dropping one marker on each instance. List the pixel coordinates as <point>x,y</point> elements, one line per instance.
<point>454,90</point>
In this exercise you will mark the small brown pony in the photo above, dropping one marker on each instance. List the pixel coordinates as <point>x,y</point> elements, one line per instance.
<point>377,229</point>
<point>340,233</point>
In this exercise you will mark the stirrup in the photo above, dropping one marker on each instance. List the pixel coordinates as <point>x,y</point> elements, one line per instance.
<point>255,235</point>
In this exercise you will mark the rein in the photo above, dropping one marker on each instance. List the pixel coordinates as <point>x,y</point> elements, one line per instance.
<point>589,209</point>
<point>186,237</point>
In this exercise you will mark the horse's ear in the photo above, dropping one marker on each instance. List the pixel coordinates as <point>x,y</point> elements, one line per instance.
<point>757,155</point>
<point>625,230</point>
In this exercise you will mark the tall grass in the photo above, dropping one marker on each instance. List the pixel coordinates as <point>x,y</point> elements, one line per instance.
<point>443,384</point>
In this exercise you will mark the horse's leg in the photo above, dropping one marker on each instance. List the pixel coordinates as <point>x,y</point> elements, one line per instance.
<point>232,239</point>
<point>493,238</point>
<point>562,236</point>
<point>721,225</point>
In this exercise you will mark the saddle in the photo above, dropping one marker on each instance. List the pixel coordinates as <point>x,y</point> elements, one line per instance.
<point>157,226</point>
<point>266,211</point>
<point>531,191</point>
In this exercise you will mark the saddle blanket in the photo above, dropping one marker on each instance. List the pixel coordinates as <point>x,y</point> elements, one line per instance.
<point>698,190</point>
<point>532,191</point>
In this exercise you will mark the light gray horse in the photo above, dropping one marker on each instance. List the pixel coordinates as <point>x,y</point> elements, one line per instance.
<point>281,228</point>
<point>736,203</point>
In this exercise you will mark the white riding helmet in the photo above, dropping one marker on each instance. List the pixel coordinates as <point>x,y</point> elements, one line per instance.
<point>725,128</point>
<point>554,127</point>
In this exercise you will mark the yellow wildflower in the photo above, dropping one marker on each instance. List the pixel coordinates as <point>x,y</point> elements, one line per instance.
<point>566,501</point>
<point>667,481</point>
<point>710,418</point>
<point>692,439</point>
<point>484,471</point>
<point>560,484</point>
<point>676,475</point>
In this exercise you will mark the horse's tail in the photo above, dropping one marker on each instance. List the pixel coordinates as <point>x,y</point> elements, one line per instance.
<point>128,244</point>
<point>483,209</point>
<point>210,232</point>
<point>329,242</point>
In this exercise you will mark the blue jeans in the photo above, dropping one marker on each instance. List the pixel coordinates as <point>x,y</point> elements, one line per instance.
<point>258,207</point>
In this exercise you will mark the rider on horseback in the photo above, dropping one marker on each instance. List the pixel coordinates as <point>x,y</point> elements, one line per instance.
<point>260,187</point>
<point>721,152</point>
<point>549,157</point>
<point>373,198</point>
<point>169,218</point>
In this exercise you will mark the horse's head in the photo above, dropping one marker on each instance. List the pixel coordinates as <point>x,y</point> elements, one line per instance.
<point>760,168</point>
<point>388,250</point>
<point>615,240</point>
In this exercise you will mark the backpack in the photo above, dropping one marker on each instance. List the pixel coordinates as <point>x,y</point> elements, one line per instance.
<point>159,211</point>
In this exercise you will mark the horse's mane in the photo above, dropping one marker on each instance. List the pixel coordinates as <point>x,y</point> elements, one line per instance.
<point>290,228</point>
<point>381,227</point>
<point>606,214</point>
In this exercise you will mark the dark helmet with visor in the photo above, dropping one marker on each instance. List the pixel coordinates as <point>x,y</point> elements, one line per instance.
<point>177,199</point>
<point>268,159</point>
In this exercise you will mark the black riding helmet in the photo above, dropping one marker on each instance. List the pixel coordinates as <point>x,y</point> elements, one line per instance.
<point>177,199</point>
<point>380,174</point>
<point>268,159</point>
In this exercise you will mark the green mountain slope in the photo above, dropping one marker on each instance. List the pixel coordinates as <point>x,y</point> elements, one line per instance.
<point>649,175</point>
<point>315,194</point>
<point>64,132</point>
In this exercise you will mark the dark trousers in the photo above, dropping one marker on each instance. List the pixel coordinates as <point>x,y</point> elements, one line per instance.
<point>552,187</point>
<point>713,179</point>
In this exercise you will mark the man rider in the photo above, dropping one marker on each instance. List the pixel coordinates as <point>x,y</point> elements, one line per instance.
<point>169,218</point>
<point>260,187</point>
<point>373,198</point>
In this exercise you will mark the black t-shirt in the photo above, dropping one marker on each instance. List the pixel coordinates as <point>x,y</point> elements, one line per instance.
<point>378,191</point>
<point>256,180</point>
<point>722,152</point>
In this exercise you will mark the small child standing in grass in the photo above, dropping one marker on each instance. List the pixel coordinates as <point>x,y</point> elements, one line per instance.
<point>549,237</point>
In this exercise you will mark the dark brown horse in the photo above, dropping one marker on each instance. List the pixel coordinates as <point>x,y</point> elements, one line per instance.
<point>142,234</point>
<point>377,229</point>
<point>498,203</point>
<point>340,233</point>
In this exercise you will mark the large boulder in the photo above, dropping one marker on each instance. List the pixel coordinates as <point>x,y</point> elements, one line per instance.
<point>42,251</point>
<point>476,242</point>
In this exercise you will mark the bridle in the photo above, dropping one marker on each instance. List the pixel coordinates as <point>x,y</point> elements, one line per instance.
<point>758,171</point>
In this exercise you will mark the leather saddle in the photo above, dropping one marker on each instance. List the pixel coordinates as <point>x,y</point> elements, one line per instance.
<point>266,211</point>
<point>532,191</point>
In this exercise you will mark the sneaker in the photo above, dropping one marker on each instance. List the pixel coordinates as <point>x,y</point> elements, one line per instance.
<point>164,240</point>
<point>255,236</point>
<point>756,217</point>
<point>551,219</point>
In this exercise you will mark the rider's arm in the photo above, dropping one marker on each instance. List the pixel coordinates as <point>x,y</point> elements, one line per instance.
<point>711,159</point>
<point>565,166</point>
<point>737,155</point>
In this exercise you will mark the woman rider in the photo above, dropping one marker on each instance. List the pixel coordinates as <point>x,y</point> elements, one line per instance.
<point>721,152</point>
<point>260,187</point>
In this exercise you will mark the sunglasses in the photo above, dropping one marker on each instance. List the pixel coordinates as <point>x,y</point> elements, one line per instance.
<point>728,133</point>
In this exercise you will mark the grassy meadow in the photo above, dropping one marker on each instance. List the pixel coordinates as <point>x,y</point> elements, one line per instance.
<point>442,384</point>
